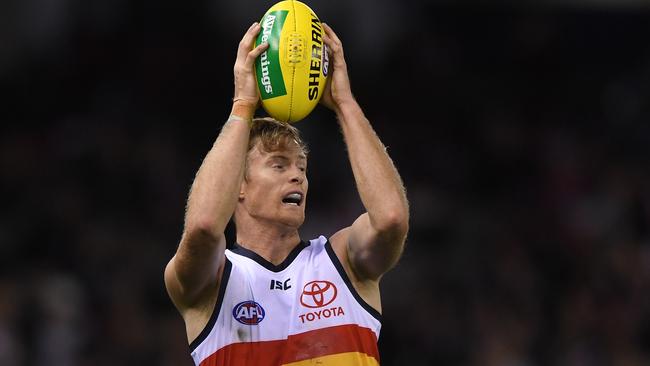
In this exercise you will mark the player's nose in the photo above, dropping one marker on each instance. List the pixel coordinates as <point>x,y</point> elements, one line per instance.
<point>297,176</point>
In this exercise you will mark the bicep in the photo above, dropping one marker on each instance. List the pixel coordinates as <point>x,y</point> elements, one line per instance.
<point>194,268</point>
<point>373,252</point>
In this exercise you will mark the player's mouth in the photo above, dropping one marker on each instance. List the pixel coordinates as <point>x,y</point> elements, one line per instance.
<point>293,199</point>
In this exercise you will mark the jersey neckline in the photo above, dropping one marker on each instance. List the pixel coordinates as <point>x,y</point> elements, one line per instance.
<point>238,249</point>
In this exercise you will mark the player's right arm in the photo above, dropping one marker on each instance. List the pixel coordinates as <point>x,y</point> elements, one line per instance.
<point>194,272</point>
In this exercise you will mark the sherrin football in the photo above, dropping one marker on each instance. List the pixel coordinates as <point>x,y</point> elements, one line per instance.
<point>292,72</point>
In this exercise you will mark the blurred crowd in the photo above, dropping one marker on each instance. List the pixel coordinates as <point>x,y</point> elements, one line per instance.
<point>522,135</point>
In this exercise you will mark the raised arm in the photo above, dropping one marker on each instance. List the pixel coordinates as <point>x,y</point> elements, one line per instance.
<point>196,265</point>
<point>376,239</point>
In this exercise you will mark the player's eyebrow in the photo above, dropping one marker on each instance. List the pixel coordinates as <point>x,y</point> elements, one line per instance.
<point>278,157</point>
<point>285,158</point>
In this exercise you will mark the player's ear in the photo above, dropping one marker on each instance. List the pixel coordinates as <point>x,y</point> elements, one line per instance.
<point>242,190</point>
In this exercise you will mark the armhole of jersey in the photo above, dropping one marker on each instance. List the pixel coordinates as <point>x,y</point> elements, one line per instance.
<point>217,307</point>
<point>339,267</point>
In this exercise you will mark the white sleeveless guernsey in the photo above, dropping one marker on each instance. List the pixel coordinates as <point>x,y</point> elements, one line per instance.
<point>304,311</point>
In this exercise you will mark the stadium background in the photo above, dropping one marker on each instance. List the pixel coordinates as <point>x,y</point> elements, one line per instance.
<point>521,131</point>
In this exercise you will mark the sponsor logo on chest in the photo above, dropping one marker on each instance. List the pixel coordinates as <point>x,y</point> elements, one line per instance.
<point>317,298</point>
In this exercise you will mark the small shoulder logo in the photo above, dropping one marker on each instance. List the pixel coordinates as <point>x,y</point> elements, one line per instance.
<point>317,294</point>
<point>248,312</point>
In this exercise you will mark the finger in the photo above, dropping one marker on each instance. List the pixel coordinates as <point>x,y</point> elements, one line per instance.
<point>248,40</point>
<point>333,48</point>
<point>330,32</point>
<point>255,53</point>
<point>249,37</point>
<point>328,41</point>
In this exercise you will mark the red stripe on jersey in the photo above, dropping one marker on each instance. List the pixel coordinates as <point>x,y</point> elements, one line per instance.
<point>298,347</point>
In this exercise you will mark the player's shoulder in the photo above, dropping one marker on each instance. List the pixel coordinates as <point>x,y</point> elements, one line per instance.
<point>340,239</point>
<point>339,243</point>
<point>318,242</point>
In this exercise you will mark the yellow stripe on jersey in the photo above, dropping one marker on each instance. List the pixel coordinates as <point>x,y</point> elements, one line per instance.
<point>348,359</point>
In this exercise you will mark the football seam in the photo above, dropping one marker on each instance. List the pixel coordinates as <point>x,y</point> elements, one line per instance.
<point>293,69</point>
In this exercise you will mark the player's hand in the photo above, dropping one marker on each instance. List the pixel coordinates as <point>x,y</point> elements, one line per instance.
<point>337,91</point>
<point>245,84</point>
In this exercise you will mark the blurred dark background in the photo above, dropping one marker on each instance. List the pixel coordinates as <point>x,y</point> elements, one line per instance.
<point>521,131</point>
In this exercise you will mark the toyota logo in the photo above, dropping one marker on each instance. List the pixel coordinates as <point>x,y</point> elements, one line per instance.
<point>317,294</point>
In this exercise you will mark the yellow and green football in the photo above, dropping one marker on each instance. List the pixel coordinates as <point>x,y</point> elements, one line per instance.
<point>292,72</point>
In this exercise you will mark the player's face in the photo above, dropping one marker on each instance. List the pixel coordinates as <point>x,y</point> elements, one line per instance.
<point>276,186</point>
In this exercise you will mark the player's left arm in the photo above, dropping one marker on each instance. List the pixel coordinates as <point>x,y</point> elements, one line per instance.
<point>376,239</point>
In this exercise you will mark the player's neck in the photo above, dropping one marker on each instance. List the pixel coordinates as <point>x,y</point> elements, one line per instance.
<point>271,242</point>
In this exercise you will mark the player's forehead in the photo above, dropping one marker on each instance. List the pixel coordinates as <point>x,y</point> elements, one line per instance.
<point>289,152</point>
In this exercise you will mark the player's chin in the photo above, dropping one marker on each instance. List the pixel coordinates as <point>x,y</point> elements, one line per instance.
<point>293,219</point>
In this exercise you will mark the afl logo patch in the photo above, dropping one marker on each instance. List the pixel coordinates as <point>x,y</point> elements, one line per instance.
<point>248,312</point>
<point>317,294</point>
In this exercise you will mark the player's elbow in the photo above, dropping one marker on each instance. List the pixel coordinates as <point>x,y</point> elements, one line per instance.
<point>394,223</point>
<point>201,230</point>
